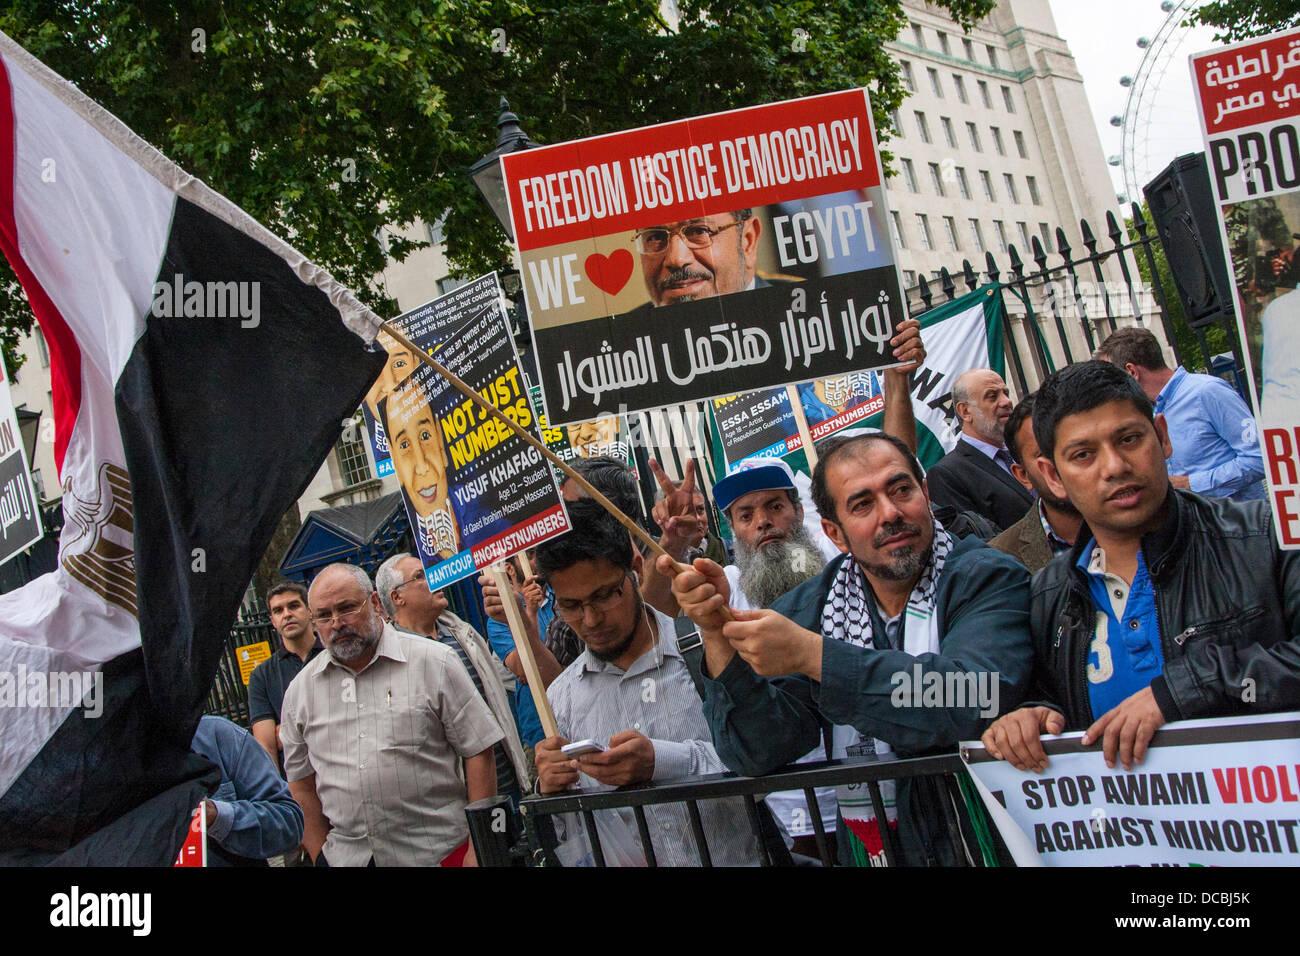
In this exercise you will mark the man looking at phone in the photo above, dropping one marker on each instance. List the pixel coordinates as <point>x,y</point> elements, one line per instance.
<point>630,691</point>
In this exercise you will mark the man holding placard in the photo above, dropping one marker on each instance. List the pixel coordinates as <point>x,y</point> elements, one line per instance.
<point>907,605</point>
<point>1169,606</point>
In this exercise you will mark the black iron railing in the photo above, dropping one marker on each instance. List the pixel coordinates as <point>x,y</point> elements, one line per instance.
<point>526,838</point>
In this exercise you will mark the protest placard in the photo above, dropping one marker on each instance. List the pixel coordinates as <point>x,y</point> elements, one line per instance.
<point>704,257</point>
<point>606,436</point>
<point>20,513</point>
<point>425,326</point>
<point>474,491</point>
<point>1249,106</point>
<point>1218,792</point>
<point>959,336</point>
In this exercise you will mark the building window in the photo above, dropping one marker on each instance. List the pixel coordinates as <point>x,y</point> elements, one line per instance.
<point>947,132</point>
<point>950,227</point>
<point>969,49</point>
<point>1006,98</point>
<point>436,236</point>
<point>997,141</point>
<point>934,82</point>
<point>987,182</point>
<point>42,348</point>
<point>896,121</point>
<point>936,179</point>
<point>1010,182</point>
<point>39,481</point>
<point>1034,197</point>
<point>993,56</point>
<point>984,94</point>
<point>943,43</point>
<point>909,278</point>
<point>1020,144</point>
<point>923,127</point>
<point>450,283</point>
<point>977,234</point>
<point>909,176</point>
<point>907,76</point>
<point>960,83</point>
<point>974,135</point>
<point>1002,234</point>
<point>354,467</point>
<point>962,184</point>
<point>896,227</point>
<point>1045,231</point>
<point>918,35</point>
<point>1023,229</point>
<point>923,226</point>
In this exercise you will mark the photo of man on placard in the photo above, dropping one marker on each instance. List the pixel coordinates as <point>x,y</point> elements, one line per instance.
<point>420,462</point>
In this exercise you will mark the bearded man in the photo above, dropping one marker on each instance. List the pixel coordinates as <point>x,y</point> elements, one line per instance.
<point>976,475</point>
<point>372,733</point>
<point>905,604</point>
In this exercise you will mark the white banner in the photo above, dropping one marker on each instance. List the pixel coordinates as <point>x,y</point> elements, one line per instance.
<point>1217,792</point>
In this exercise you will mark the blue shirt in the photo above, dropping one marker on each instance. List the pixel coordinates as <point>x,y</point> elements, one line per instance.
<point>521,701</point>
<point>1213,436</point>
<point>256,816</point>
<point>1125,655</point>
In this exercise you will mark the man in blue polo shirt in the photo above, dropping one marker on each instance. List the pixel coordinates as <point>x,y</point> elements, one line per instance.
<point>1215,448</point>
<point>1169,606</point>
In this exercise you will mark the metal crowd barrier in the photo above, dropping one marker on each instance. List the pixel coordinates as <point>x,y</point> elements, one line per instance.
<point>503,837</point>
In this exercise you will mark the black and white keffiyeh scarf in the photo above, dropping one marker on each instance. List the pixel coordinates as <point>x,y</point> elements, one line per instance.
<point>846,615</point>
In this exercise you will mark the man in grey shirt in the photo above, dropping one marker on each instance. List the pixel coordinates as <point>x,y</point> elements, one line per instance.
<point>631,691</point>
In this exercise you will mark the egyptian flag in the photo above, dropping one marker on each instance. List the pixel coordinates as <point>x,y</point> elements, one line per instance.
<point>200,369</point>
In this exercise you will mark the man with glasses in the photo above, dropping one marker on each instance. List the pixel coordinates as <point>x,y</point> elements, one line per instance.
<point>700,258</point>
<point>372,734</point>
<point>632,693</point>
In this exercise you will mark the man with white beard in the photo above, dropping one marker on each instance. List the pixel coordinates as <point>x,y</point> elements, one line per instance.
<point>774,554</point>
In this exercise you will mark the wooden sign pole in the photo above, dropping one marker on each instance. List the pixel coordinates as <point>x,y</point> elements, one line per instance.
<point>524,648</point>
<point>801,420</point>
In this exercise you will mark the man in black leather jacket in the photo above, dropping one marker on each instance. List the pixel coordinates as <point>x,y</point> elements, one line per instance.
<point>1169,606</point>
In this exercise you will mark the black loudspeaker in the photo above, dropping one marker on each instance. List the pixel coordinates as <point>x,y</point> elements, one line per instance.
<point>1182,208</point>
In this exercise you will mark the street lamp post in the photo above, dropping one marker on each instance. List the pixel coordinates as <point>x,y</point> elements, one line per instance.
<point>486,173</point>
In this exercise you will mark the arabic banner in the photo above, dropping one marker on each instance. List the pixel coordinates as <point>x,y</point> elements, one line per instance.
<point>705,257</point>
<point>474,491</point>
<point>1218,792</point>
<point>1249,104</point>
<point>959,336</point>
<point>425,326</point>
<point>606,436</point>
<point>20,513</point>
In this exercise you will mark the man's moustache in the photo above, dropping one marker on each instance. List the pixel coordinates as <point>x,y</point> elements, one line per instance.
<point>684,274</point>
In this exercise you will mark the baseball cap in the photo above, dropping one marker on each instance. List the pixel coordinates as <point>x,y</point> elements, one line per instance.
<point>752,474</point>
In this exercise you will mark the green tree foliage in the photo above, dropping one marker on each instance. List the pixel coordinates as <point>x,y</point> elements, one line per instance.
<point>334,121</point>
<point>1242,19</point>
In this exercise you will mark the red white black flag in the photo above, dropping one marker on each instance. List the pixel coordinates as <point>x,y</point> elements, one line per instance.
<point>200,369</point>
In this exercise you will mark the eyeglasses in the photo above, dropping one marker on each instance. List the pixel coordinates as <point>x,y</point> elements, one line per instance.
<point>343,612</point>
<point>603,600</point>
<point>696,235</point>
<point>419,576</point>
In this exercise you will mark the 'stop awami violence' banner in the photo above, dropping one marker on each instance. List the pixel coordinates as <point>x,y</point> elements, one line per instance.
<point>1248,98</point>
<point>704,257</point>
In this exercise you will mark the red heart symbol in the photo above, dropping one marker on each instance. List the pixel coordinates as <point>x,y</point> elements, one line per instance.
<point>609,273</point>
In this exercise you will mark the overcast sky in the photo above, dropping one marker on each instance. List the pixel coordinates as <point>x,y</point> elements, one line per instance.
<point>1102,36</point>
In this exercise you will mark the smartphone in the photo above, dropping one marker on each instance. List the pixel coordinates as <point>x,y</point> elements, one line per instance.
<point>580,747</point>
